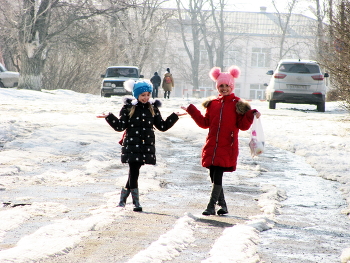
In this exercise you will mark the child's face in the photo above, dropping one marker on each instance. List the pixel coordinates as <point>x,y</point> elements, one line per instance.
<point>224,89</point>
<point>144,97</point>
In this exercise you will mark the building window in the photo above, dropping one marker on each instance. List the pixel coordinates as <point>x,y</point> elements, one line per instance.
<point>257,92</point>
<point>261,57</point>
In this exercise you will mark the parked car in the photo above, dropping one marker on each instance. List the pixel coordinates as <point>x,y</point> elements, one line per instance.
<point>113,80</point>
<point>8,79</point>
<point>297,81</point>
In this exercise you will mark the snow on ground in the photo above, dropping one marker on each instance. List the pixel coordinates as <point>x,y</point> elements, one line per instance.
<point>51,139</point>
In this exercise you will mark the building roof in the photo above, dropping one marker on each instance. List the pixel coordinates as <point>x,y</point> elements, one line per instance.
<point>264,23</point>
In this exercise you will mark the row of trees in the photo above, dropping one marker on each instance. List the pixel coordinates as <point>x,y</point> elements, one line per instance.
<point>335,51</point>
<point>68,44</point>
<point>54,43</point>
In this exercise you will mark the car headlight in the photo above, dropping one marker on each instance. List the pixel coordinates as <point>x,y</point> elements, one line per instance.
<point>107,84</point>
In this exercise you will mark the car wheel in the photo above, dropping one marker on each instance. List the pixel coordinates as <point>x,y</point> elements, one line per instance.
<point>272,105</point>
<point>2,85</point>
<point>321,107</point>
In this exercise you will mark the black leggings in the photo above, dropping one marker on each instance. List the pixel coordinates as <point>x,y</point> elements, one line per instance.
<point>134,172</point>
<point>216,173</point>
<point>166,94</point>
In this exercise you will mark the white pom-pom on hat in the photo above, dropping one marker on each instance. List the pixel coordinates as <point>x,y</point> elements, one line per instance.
<point>129,85</point>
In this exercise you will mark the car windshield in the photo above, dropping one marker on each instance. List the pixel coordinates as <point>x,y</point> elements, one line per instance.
<point>299,68</point>
<point>122,72</point>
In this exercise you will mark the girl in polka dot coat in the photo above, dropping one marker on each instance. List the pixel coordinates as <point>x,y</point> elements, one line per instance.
<point>137,119</point>
<point>138,144</point>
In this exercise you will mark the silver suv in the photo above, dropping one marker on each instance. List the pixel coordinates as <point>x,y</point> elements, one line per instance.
<point>297,81</point>
<point>8,79</point>
<point>113,80</point>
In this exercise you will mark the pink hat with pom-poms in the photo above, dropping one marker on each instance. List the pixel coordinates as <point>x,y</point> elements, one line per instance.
<point>227,78</point>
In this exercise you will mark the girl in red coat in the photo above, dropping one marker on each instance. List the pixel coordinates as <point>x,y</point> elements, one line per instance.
<point>225,116</point>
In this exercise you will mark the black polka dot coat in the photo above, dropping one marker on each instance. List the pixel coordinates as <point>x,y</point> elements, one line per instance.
<point>138,143</point>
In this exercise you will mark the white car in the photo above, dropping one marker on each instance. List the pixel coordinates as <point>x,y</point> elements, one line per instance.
<point>113,80</point>
<point>8,79</point>
<point>297,81</point>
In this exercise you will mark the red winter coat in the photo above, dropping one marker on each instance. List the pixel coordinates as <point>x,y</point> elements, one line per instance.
<point>224,117</point>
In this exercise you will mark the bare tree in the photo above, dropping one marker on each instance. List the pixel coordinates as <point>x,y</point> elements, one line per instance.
<point>283,22</point>
<point>336,55</point>
<point>138,30</point>
<point>189,20</point>
<point>217,15</point>
<point>8,36</point>
<point>215,33</point>
<point>77,61</point>
<point>41,24</point>
<point>320,13</point>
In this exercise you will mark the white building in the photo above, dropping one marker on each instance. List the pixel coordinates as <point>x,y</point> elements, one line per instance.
<point>254,41</point>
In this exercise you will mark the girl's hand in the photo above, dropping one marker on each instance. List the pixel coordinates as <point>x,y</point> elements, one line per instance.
<point>257,114</point>
<point>103,115</point>
<point>184,108</point>
<point>181,113</point>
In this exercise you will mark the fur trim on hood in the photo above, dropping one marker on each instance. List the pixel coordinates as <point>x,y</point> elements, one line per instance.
<point>206,103</point>
<point>242,105</point>
<point>129,100</point>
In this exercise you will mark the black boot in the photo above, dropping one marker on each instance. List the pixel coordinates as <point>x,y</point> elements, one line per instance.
<point>123,196</point>
<point>221,202</point>
<point>215,192</point>
<point>135,200</point>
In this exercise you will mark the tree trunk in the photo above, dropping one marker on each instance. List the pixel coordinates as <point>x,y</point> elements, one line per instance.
<point>31,73</point>
<point>32,37</point>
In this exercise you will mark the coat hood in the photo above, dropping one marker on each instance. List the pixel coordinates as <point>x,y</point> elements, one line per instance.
<point>129,100</point>
<point>242,105</point>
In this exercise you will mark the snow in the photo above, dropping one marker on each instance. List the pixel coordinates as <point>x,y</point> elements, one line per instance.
<point>170,244</point>
<point>52,139</point>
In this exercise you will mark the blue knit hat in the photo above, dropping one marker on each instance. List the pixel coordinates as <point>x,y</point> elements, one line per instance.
<point>138,87</point>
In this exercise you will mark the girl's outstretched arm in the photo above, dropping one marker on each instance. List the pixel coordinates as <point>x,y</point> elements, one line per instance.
<point>118,124</point>
<point>166,124</point>
<point>197,116</point>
